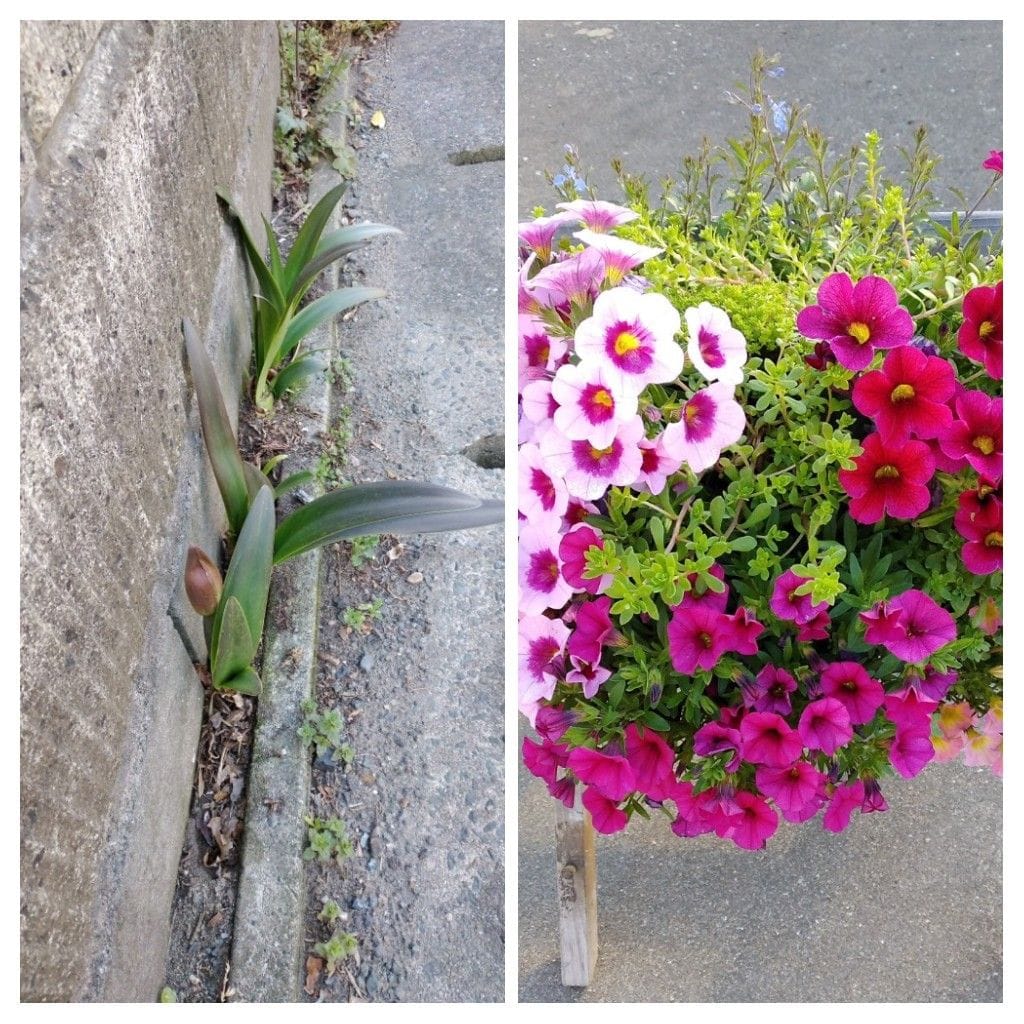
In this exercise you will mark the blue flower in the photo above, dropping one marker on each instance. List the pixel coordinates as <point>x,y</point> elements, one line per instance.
<point>775,72</point>
<point>780,116</point>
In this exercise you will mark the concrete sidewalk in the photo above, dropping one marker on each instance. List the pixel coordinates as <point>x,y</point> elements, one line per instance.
<point>906,905</point>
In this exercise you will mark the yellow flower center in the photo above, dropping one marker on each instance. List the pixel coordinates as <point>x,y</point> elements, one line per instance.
<point>597,454</point>
<point>859,331</point>
<point>626,342</point>
<point>985,444</point>
<point>613,275</point>
<point>986,328</point>
<point>902,392</point>
<point>887,472</point>
<point>690,411</point>
<point>601,397</point>
<point>994,539</point>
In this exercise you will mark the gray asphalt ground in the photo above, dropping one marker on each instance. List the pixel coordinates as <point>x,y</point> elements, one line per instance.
<point>648,92</point>
<point>906,905</point>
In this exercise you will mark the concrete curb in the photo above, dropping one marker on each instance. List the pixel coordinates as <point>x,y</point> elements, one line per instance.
<point>269,917</point>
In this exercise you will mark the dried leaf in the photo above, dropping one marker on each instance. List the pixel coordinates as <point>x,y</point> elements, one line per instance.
<point>378,120</point>
<point>314,965</point>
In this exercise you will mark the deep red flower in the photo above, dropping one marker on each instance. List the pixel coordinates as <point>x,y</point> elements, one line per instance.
<point>856,320</point>
<point>981,336</point>
<point>908,396</point>
<point>814,629</point>
<point>983,531</point>
<point>890,479</point>
<point>977,434</point>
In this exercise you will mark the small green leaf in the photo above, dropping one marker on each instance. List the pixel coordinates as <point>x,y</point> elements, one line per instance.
<point>235,645</point>
<point>308,238</point>
<point>744,543</point>
<point>297,371</point>
<point>289,483</point>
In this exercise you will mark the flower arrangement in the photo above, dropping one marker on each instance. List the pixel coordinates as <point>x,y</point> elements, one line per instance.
<point>760,475</point>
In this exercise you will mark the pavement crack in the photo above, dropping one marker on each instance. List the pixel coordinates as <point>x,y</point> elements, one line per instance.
<point>488,452</point>
<point>482,155</point>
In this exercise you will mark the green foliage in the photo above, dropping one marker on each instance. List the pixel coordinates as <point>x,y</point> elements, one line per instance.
<point>328,839</point>
<point>330,913</point>
<point>340,946</point>
<point>323,731</point>
<point>168,995</point>
<point>361,616</point>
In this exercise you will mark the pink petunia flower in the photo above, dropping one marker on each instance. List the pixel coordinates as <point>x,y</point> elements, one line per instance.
<point>620,255</point>
<point>977,434</point>
<point>715,347</point>
<point>564,791</point>
<point>541,655</point>
<point>541,584</point>
<point>652,760</point>
<point>544,759</point>
<point>572,550</point>
<point>717,738</point>
<point>933,685</point>
<point>609,774</point>
<point>698,636</point>
<point>825,725</point>
<point>657,465</point>
<point>591,405</point>
<point>908,396</point>
<point>590,675</point>
<point>954,719</point>
<point>589,471</point>
<point>542,495</point>
<point>856,320</point>
<point>994,161</point>
<point>845,800</point>
<point>850,684</point>
<point>552,722</point>
<point>890,478</point>
<point>597,215</point>
<point>742,631</point>
<point>948,747</point>
<point>594,629</point>
<point>768,739</point>
<point>910,751</point>
<point>771,690</point>
<point>814,629</point>
<point>981,336</point>
<point>911,626</point>
<point>873,799</point>
<point>983,532</point>
<point>787,604</point>
<point>568,282</point>
<point>709,422</point>
<point>755,822</point>
<point>539,352</point>
<point>909,711</point>
<point>985,750</point>
<point>538,234</point>
<point>604,812</point>
<point>793,788</point>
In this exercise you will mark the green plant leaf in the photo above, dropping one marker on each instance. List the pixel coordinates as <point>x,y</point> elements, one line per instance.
<point>221,447</point>
<point>335,245</point>
<point>313,315</point>
<point>247,681</point>
<point>248,575</point>
<point>308,237</point>
<point>387,506</point>
<point>289,483</point>
<point>254,480</point>
<point>297,371</point>
<point>269,286</point>
<point>235,645</point>
<point>273,249</point>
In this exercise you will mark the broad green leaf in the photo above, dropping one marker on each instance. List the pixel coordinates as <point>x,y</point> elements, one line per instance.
<point>235,645</point>
<point>247,681</point>
<point>269,287</point>
<point>228,468</point>
<point>308,237</point>
<point>297,371</point>
<point>248,575</point>
<point>273,249</point>
<point>316,313</point>
<point>289,483</point>
<point>334,246</point>
<point>387,506</point>
<point>254,480</point>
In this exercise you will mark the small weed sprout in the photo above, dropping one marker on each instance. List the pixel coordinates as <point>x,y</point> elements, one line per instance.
<point>333,457</point>
<point>340,946</point>
<point>322,730</point>
<point>360,617</point>
<point>363,550</point>
<point>328,839</point>
<point>330,913</point>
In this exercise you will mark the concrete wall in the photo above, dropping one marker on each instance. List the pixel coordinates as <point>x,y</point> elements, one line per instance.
<point>127,127</point>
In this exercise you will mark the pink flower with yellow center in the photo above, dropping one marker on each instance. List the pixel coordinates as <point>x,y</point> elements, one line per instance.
<point>591,405</point>
<point>619,254</point>
<point>597,215</point>
<point>709,422</point>
<point>981,336</point>
<point>856,320</point>
<point>977,433</point>
<point>715,347</point>
<point>542,495</point>
<point>538,234</point>
<point>634,336</point>
<point>574,280</point>
<point>541,583</point>
<point>589,470</point>
<point>658,465</point>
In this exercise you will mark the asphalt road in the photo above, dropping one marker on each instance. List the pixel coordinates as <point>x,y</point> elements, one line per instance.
<point>906,905</point>
<point>648,92</point>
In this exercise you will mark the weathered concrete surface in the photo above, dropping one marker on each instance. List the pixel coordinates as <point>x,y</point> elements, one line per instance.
<point>649,91</point>
<point>121,237</point>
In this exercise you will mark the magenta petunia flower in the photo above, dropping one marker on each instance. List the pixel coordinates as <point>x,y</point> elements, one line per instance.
<point>572,550</point>
<point>609,774</point>
<point>544,759</point>
<point>717,738</point>
<point>591,405</point>
<point>856,320</point>
<point>909,710</point>
<point>793,788</point>
<point>825,725</point>
<point>538,234</point>
<point>908,396</point>
<point>873,799</point>
<point>541,584</point>
<point>911,626</point>
<point>994,161</point>
<point>698,636</point>
<point>572,281</point>
<point>597,215</point>
<point>742,631</point>
<point>910,751</point>
<point>771,690</point>
<point>594,628</point>
<point>768,740</point>
<point>541,657</point>
<point>538,351</point>
<point>634,335</point>
<point>715,347</point>
<point>981,335</point>
<point>652,760</point>
<point>755,822</point>
<point>563,790</point>
<point>710,421</point>
<point>814,629</point>
<point>977,433</point>
<point>552,722</point>
<point>983,532</point>
<point>787,604</point>
<point>845,800</point>
<point>933,685</point>
<point>690,819</point>
<point>890,478</point>
<point>850,684</point>
<point>590,675</point>
<point>589,471</point>
<point>620,255</point>
<point>699,594</point>
<point>541,493</point>
<point>657,465</point>
<point>604,812</point>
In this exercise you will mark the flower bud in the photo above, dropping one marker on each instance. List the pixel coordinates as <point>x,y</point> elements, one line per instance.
<point>203,582</point>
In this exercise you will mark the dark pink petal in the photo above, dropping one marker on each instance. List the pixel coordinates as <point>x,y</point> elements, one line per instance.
<point>610,774</point>
<point>604,813</point>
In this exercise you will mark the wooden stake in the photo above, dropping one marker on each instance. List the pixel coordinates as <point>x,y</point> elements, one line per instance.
<point>577,894</point>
